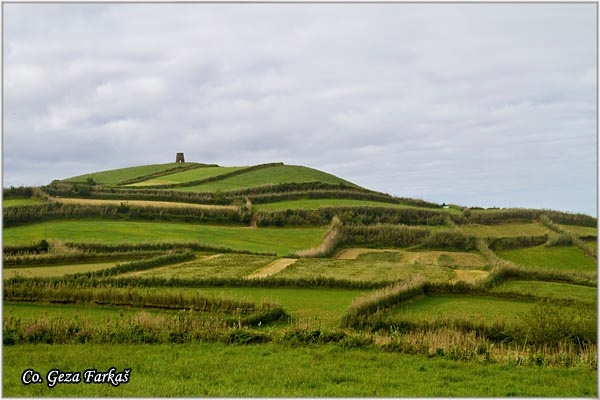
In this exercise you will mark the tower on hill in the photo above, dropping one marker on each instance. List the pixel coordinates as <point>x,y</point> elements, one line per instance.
<point>179,158</point>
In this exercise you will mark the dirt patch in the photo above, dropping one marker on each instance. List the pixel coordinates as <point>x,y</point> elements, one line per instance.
<point>272,268</point>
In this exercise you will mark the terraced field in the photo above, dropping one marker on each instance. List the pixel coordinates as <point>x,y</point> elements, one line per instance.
<point>234,261</point>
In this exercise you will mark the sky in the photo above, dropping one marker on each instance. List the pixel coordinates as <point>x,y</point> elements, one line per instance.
<point>476,104</point>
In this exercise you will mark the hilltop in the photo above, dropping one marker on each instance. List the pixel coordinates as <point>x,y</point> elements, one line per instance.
<point>208,255</point>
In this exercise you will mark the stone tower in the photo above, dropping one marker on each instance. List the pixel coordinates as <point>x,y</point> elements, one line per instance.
<point>179,158</point>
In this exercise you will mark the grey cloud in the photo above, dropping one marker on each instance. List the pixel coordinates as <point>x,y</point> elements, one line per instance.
<point>481,104</point>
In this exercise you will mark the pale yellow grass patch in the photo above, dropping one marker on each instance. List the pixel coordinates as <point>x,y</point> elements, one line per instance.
<point>468,276</point>
<point>143,203</point>
<point>463,259</point>
<point>174,266</point>
<point>353,253</point>
<point>272,268</point>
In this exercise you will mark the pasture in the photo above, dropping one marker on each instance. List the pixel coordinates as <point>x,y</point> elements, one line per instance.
<point>276,370</point>
<point>281,241</point>
<point>565,258</point>
<point>407,298</point>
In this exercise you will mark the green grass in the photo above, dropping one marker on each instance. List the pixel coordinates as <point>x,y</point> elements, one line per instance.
<point>269,176</point>
<point>357,270</point>
<point>477,309</point>
<point>20,202</point>
<point>581,230</point>
<point>505,230</point>
<point>114,176</point>
<point>276,370</point>
<point>90,312</point>
<point>281,241</point>
<point>216,266</point>
<point>56,270</point>
<point>567,258</point>
<point>315,306</point>
<point>551,290</point>
<point>187,176</point>
<point>315,204</point>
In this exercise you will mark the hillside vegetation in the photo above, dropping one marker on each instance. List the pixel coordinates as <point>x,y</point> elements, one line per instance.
<point>289,257</point>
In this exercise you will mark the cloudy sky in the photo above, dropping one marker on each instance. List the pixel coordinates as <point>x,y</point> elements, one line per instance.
<point>477,104</point>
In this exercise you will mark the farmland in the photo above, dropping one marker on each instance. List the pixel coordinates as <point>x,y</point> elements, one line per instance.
<point>342,290</point>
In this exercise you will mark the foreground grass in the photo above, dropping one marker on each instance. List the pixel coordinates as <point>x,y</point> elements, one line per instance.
<point>281,241</point>
<point>275,370</point>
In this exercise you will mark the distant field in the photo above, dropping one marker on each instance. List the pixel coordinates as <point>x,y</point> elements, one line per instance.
<point>568,258</point>
<point>281,241</point>
<point>315,204</point>
<point>20,202</point>
<point>115,176</point>
<point>145,203</point>
<point>551,290</point>
<point>57,270</point>
<point>505,230</point>
<point>581,230</point>
<point>373,271</point>
<point>269,176</point>
<point>187,176</point>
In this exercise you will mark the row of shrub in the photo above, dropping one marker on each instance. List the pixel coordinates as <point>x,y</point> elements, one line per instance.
<point>157,282</point>
<point>569,237</point>
<point>187,327</point>
<point>516,242</point>
<point>70,294</point>
<point>403,236</point>
<point>14,216</point>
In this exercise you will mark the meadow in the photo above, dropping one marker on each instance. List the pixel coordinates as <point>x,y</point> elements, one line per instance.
<point>286,281</point>
<point>280,241</point>
<point>275,370</point>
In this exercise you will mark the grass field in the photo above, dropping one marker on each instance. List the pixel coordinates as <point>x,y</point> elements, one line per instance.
<point>215,266</point>
<point>505,230</point>
<point>567,258</point>
<point>317,307</point>
<point>275,370</point>
<point>374,271</point>
<point>479,309</point>
<point>550,290</point>
<point>281,241</point>
<point>188,176</point>
<point>20,202</point>
<point>57,270</point>
<point>269,176</point>
<point>581,230</point>
<point>113,177</point>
